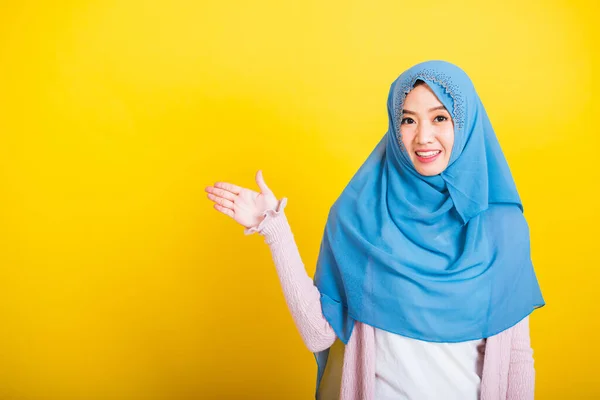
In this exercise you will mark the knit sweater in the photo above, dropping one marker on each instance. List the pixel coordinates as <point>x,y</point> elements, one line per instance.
<point>508,370</point>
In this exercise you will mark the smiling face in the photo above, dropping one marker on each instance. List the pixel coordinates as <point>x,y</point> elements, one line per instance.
<point>427,131</point>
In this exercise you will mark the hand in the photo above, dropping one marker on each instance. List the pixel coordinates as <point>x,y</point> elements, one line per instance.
<point>245,206</point>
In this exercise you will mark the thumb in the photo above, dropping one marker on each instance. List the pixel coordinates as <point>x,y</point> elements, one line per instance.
<point>261,182</point>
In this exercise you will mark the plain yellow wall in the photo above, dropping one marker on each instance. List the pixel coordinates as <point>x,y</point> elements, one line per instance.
<point>118,280</point>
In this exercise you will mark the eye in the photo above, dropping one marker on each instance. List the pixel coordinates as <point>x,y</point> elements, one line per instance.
<point>440,118</point>
<point>406,120</point>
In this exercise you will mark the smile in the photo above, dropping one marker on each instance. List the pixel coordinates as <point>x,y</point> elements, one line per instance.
<point>427,156</point>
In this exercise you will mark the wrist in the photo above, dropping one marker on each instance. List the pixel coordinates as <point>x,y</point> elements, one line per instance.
<point>267,215</point>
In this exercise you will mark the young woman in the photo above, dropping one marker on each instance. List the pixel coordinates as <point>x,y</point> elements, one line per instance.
<point>424,281</point>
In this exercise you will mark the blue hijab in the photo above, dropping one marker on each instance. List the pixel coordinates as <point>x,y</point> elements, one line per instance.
<point>443,258</point>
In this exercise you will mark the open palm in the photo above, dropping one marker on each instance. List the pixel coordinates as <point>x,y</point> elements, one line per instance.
<point>244,205</point>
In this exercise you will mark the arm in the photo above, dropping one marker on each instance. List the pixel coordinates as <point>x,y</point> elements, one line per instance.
<point>521,373</point>
<point>301,295</point>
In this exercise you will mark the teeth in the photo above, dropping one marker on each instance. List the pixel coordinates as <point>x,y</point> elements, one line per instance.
<point>427,153</point>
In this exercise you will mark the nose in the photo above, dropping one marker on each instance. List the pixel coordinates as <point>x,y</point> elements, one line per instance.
<point>425,134</point>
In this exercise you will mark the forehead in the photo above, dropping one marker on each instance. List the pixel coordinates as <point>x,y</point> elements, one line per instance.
<point>423,96</point>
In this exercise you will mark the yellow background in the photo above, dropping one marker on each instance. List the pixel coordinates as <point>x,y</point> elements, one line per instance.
<point>118,280</point>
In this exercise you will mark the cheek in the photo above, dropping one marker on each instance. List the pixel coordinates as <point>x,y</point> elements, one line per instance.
<point>407,137</point>
<point>447,138</point>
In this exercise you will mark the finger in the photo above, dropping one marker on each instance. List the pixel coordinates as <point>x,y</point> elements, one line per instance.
<point>260,180</point>
<point>220,201</point>
<point>221,193</point>
<point>230,187</point>
<point>224,210</point>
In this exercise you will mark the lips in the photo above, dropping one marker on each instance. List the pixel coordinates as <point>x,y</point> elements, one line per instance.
<point>427,156</point>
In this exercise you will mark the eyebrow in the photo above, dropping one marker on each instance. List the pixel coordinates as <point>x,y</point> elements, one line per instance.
<point>430,110</point>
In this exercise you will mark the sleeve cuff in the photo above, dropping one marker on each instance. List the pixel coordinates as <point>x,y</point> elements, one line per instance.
<point>268,216</point>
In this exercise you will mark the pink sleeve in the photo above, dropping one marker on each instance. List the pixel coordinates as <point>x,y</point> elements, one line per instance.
<point>521,373</point>
<point>302,296</point>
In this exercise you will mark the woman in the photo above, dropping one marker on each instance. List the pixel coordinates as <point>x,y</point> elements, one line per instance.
<point>424,281</point>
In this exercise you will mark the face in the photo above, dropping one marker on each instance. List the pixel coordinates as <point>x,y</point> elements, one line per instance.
<point>427,131</point>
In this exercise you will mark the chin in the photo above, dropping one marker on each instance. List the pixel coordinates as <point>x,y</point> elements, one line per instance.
<point>428,173</point>
<point>430,170</point>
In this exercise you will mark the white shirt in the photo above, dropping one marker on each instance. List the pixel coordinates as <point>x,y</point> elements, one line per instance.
<point>410,369</point>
